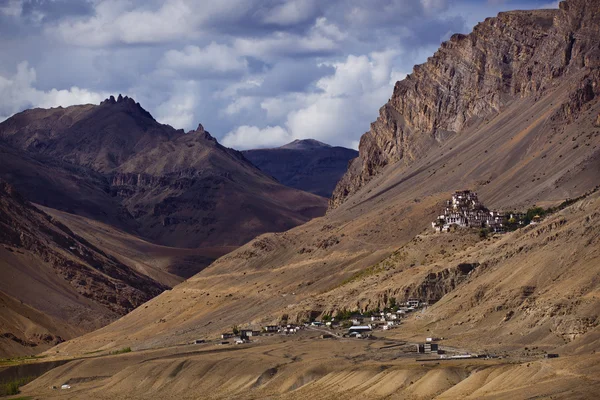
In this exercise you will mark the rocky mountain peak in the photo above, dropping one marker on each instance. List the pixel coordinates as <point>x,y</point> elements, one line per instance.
<point>202,133</point>
<point>126,103</point>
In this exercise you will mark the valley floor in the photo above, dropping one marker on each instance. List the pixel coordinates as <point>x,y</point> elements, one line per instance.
<point>307,366</point>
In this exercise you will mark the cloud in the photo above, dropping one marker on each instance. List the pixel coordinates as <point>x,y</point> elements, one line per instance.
<point>249,137</point>
<point>117,22</point>
<point>288,76</point>
<point>284,44</point>
<point>17,93</point>
<point>291,12</point>
<point>214,58</point>
<point>348,100</point>
<point>12,8</point>
<point>255,73</point>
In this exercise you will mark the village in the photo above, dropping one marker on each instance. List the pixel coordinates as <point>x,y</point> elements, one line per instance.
<point>351,325</point>
<point>465,210</point>
<point>346,324</point>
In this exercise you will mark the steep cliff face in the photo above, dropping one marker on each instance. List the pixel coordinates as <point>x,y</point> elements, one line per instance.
<point>473,77</point>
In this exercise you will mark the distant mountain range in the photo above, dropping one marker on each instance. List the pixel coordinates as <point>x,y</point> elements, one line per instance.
<point>306,164</point>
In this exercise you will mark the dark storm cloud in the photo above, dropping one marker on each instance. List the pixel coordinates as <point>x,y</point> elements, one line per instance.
<point>254,72</point>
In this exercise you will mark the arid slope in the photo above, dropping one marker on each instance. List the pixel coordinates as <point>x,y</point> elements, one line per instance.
<point>526,154</point>
<point>172,188</point>
<point>55,285</point>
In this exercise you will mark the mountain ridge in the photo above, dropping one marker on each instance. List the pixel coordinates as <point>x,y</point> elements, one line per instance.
<point>174,187</point>
<point>76,286</point>
<point>464,82</point>
<point>305,164</point>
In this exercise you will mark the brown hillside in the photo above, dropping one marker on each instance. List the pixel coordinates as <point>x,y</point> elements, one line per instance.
<point>173,188</point>
<point>54,284</point>
<point>528,153</point>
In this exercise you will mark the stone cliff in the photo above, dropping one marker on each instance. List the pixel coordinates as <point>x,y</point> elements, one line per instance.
<point>473,77</point>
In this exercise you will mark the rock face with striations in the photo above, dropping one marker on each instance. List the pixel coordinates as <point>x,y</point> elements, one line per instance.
<point>473,77</point>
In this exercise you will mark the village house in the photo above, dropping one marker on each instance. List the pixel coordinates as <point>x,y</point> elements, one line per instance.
<point>247,333</point>
<point>414,303</point>
<point>271,328</point>
<point>427,348</point>
<point>360,329</point>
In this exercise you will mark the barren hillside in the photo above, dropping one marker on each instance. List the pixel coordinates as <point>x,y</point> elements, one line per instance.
<point>528,152</point>
<point>172,188</point>
<point>54,284</point>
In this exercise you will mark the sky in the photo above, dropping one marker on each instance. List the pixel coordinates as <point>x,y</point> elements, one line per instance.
<point>255,73</point>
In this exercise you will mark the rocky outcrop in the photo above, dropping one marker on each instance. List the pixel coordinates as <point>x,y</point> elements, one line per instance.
<point>437,284</point>
<point>471,77</point>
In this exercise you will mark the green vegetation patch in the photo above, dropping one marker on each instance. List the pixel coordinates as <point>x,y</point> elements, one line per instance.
<point>18,360</point>
<point>122,351</point>
<point>11,388</point>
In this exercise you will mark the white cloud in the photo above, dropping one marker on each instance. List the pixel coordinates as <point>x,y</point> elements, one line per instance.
<point>432,6</point>
<point>339,114</point>
<point>291,12</point>
<point>251,137</point>
<point>18,93</point>
<point>240,104</point>
<point>283,44</point>
<point>212,58</point>
<point>324,27</point>
<point>178,110</point>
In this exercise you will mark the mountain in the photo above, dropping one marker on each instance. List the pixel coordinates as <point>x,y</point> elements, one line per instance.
<point>540,146</point>
<point>171,187</point>
<point>307,164</point>
<point>305,144</point>
<point>54,284</point>
<point>473,79</point>
<point>510,111</point>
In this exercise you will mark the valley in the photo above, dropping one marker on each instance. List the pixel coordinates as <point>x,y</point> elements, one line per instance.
<point>206,277</point>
